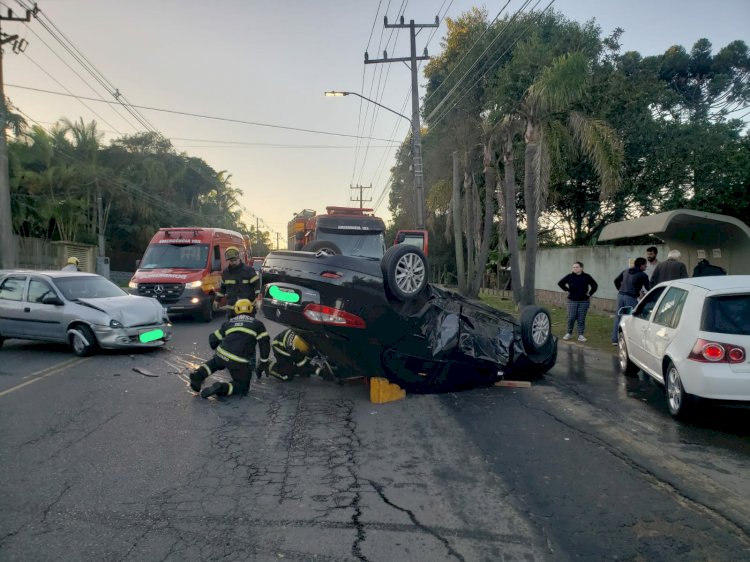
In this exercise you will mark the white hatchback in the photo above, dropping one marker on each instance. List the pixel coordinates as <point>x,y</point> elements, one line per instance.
<point>692,336</point>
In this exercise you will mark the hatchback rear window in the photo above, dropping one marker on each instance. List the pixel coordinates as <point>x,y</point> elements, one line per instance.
<point>727,314</point>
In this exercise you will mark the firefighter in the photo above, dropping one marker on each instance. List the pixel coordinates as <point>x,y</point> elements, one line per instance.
<point>72,264</point>
<point>238,280</point>
<point>235,344</point>
<point>292,357</point>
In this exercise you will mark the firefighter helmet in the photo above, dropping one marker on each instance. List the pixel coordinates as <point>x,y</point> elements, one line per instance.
<point>243,306</point>
<point>232,252</point>
<point>73,261</point>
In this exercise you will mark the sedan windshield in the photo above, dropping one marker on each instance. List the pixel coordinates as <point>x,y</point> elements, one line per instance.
<point>357,243</point>
<point>180,256</point>
<point>88,287</point>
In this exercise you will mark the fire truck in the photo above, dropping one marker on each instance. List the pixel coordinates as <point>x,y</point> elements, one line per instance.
<point>350,231</point>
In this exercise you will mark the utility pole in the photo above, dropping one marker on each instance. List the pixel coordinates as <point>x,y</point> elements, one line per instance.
<point>277,240</point>
<point>361,198</point>
<point>7,244</point>
<point>416,137</point>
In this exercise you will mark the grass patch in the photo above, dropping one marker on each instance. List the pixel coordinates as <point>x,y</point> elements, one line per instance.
<point>598,324</point>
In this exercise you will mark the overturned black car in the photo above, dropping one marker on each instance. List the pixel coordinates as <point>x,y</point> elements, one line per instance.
<point>372,317</point>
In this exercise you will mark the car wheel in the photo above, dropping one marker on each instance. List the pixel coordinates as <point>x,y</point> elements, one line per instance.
<point>207,312</point>
<point>627,367</point>
<point>536,333</point>
<point>82,347</point>
<point>405,271</point>
<point>678,401</point>
<point>322,248</point>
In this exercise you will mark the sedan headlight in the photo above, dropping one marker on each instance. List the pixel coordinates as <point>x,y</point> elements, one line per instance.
<point>132,284</point>
<point>194,284</point>
<point>115,324</point>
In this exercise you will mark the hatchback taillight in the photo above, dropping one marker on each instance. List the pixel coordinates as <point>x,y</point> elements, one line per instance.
<point>319,314</point>
<point>707,351</point>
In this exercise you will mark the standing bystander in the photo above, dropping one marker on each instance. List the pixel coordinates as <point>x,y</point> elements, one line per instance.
<point>629,284</point>
<point>670,269</point>
<point>651,261</point>
<point>580,286</point>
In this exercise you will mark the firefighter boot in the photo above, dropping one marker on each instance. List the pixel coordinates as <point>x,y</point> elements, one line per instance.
<point>217,388</point>
<point>196,379</point>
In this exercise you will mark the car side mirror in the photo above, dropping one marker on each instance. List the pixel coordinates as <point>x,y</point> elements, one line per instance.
<point>625,311</point>
<point>52,300</point>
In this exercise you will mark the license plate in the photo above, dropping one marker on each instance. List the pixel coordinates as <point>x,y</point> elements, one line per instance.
<point>151,335</point>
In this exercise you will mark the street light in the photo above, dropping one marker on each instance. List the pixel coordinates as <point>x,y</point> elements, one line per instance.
<point>416,152</point>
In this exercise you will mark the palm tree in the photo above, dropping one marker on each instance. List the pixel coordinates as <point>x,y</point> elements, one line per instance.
<point>548,111</point>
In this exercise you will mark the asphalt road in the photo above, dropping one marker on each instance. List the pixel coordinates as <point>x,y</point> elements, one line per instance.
<point>100,462</point>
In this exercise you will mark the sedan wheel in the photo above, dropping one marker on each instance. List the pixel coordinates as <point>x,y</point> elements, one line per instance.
<point>536,333</point>
<point>405,271</point>
<point>677,398</point>
<point>82,347</point>
<point>627,367</point>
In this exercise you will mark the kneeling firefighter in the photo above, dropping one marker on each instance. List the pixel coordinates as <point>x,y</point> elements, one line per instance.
<point>292,357</point>
<point>235,345</point>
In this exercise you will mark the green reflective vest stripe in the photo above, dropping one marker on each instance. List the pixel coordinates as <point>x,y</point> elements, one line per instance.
<point>230,282</point>
<point>243,330</point>
<point>217,333</point>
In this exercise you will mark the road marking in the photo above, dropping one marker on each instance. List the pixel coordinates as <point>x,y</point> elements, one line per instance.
<point>49,371</point>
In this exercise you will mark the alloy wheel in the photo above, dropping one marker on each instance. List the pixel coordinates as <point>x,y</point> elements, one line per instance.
<point>410,273</point>
<point>540,328</point>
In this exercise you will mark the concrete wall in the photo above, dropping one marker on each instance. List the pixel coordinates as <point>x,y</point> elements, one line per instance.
<point>603,263</point>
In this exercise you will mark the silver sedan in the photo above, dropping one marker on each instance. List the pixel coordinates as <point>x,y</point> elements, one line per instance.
<point>84,310</point>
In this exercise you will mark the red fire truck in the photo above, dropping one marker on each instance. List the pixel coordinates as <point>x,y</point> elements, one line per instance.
<point>351,231</point>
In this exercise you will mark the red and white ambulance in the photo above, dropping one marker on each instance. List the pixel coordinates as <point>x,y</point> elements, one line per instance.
<point>182,267</point>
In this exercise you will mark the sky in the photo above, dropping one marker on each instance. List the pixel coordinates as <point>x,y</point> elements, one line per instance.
<point>200,67</point>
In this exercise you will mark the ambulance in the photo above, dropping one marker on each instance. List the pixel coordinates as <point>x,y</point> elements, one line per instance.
<point>182,267</point>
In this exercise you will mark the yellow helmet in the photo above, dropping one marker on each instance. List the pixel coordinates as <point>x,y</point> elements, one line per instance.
<point>301,345</point>
<point>73,260</point>
<point>243,306</point>
<point>232,252</point>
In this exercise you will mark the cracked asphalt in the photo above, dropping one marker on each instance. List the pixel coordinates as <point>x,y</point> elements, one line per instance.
<point>100,462</point>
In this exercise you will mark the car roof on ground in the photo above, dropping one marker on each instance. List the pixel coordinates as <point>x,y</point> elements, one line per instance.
<point>716,282</point>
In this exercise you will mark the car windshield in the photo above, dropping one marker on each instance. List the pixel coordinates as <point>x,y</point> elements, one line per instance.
<point>88,287</point>
<point>727,314</point>
<point>360,244</point>
<point>180,256</point>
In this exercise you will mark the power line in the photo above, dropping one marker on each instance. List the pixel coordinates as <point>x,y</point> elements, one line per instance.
<point>203,116</point>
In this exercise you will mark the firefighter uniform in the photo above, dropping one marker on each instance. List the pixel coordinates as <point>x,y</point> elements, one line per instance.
<point>292,356</point>
<point>238,280</point>
<point>235,345</point>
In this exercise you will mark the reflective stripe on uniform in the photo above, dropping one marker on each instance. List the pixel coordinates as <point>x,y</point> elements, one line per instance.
<point>230,282</point>
<point>301,362</point>
<point>230,356</point>
<point>245,281</point>
<point>219,294</point>
<point>218,335</point>
<point>243,330</point>
<point>262,335</point>
<point>208,369</point>
<point>264,360</point>
<point>231,388</point>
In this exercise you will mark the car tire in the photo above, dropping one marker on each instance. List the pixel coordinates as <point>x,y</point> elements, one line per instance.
<point>80,347</point>
<point>627,367</point>
<point>207,312</point>
<point>322,248</point>
<point>405,271</point>
<point>536,333</point>
<point>679,402</point>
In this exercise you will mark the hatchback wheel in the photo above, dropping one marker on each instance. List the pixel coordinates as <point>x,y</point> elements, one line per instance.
<point>678,401</point>
<point>627,367</point>
<point>82,340</point>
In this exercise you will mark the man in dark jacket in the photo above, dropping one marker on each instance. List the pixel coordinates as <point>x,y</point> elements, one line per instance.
<point>705,269</point>
<point>670,269</point>
<point>235,345</point>
<point>238,280</point>
<point>580,286</point>
<point>629,284</point>
<point>292,356</point>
